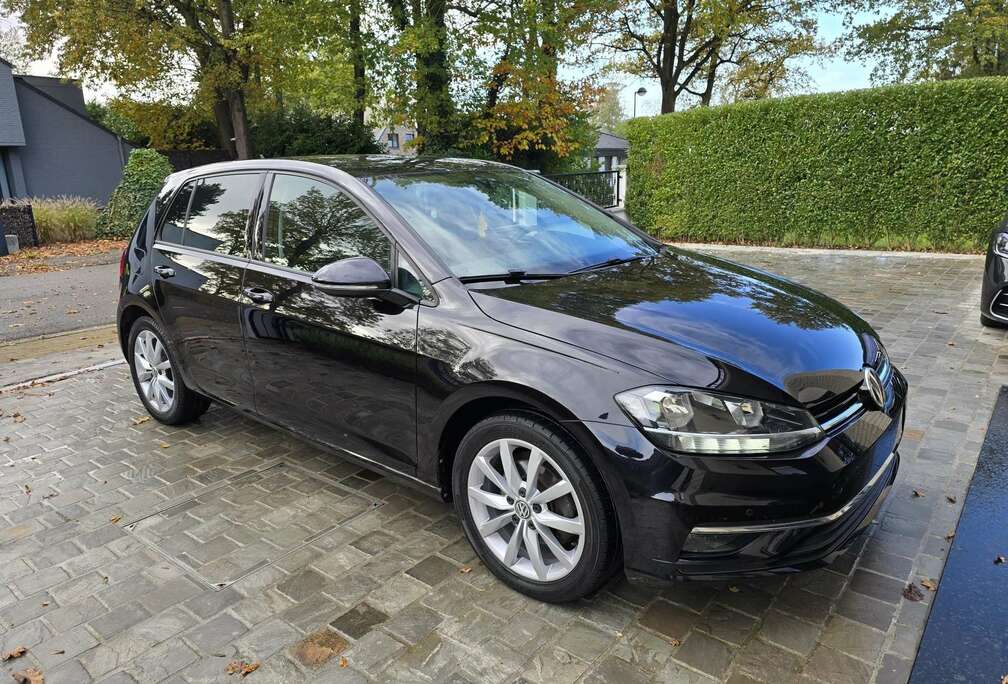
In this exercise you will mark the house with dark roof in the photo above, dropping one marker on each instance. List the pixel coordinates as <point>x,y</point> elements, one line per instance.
<point>610,151</point>
<point>49,146</point>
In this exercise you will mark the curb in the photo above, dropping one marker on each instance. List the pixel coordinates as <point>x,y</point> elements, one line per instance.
<point>56,377</point>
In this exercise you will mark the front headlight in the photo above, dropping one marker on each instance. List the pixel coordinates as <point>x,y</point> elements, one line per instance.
<point>707,423</point>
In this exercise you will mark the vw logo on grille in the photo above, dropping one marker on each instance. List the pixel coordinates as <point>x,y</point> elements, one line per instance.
<point>522,510</point>
<point>872,392</point>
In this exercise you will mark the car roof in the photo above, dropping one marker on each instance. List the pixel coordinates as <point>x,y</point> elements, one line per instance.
<point>371,165</point>
<point>356,165</point>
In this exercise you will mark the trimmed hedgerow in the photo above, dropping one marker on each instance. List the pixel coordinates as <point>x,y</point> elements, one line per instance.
<point>143,176</point>
<point>921,167</point>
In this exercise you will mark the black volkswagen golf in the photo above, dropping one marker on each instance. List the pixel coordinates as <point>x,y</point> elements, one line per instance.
<point>588,398</point>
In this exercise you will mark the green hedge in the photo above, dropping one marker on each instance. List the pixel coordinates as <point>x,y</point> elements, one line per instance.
<point>143,176</point>
<point>920,167</point>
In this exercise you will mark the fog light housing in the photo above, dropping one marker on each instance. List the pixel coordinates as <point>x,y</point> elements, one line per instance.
<point>699,543</point>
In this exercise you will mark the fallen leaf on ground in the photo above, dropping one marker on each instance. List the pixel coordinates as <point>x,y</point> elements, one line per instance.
<point>999,560</point>
<point>58,652</point>
<point>929,584</point>
<point>18,418</point>
<point>116,518</point>
<point>918,493</point>
<point>29,676</point>
<point>1004,680</point>
<point>950,499</point>
<point>733,589</point>
<point>70,312</point>
<point>951,344</point>
<point>465,569</point>
<point>240,667</point>
<point>140,420</point>
<point>675,643</point>
<point>15,652</point>
<point>343,662</point>
<point>164,445</point>
<point>318,647</point>
<point>27,489</point>
<point>912,593</point>
<point>949,536</point>
<point>45,603</point>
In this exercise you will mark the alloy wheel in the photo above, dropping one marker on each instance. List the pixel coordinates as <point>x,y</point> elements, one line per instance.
<point>526,510</point>
<point>154,371</point>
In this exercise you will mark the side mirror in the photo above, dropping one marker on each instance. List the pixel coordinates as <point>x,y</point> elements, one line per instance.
<point>353,277</point>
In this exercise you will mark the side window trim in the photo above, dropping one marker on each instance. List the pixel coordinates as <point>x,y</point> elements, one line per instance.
<point>160,220</point>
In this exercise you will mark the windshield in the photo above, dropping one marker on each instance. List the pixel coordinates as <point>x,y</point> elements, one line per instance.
<point>494,221</point>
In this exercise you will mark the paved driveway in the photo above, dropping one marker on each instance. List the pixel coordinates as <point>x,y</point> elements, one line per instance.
<point>132,551</point>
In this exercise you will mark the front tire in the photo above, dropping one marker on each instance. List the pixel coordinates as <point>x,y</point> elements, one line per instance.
<point>532,508</point>
<point>158,384</point>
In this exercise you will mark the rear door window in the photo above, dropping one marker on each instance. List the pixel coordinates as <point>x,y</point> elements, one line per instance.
<point>219,213</point>
<point>174,220</point>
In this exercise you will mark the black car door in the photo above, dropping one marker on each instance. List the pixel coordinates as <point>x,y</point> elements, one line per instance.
<point>338,369</point>
<point>198,263</point>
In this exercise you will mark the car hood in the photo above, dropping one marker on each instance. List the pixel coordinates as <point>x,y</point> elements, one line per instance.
<point>698,321</point>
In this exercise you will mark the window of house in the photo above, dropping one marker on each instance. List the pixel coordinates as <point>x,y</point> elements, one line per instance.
<point>219,212</point>
<point>393,141</point>
<point>409,137</point>
<point>310,223</point>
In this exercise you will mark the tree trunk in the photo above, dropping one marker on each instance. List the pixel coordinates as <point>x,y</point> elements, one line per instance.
<point>669,95</point>
<point>359,67</point>
<point>225,131</point>
<point>712,66</point>
<point>436,109</point>
<point>239,121</point>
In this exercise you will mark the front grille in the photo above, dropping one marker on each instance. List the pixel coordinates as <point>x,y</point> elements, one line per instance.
<point>839,408</point>
<point>828,409</point>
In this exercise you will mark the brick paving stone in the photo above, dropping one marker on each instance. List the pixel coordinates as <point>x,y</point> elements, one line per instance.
<point>359,620</point>
<point>668,620</point>
<point>853,638</point>
<point>704,653</point>
<point>789,632</point>
<point>67,573</point>
<point>833,667</point>
<point>432,570</point>
<point>585,640</point>
<point>118,619</point>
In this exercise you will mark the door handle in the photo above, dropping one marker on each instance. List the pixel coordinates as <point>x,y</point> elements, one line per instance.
<point>164,271</point>
<point>258,295</point>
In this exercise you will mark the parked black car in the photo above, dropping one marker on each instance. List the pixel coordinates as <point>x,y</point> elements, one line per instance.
<point>588,397</point>
<point>994,293</point>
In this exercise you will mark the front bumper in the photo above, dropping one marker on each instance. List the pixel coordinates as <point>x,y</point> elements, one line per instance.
<point>717,517</point>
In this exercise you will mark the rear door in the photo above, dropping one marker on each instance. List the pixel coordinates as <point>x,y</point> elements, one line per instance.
<point>198,262</point>
<point>338,369</point>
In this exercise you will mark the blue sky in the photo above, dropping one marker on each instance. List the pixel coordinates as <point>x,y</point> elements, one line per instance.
<point>826,75</point>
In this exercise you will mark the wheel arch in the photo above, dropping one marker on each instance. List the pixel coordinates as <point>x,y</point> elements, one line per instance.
<point>127,317</point>
<point>479,401</point>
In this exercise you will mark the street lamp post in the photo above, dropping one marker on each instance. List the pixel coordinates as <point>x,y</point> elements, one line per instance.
<point>642,91</point>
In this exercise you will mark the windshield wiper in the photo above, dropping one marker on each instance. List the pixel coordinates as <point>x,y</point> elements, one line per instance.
<point>610,262</point>
<point>510,277</point>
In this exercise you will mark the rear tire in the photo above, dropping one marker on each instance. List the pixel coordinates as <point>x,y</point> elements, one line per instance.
<point>155,377</point>
<point>552,536</point>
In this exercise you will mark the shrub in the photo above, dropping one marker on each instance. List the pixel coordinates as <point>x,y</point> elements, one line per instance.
<point>298,131</point>
<point>901,167</point>
<point>63,219</point>
<point>143,176</point>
